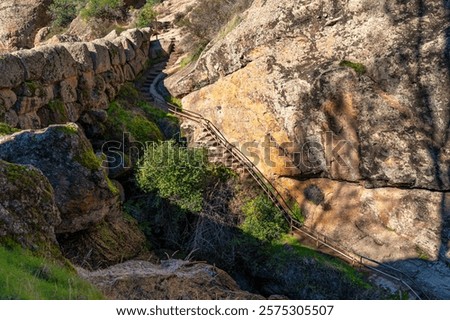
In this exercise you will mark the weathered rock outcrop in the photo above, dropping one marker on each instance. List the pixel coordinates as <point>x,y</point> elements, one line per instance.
<point>60,83</point>
<point>20,20</point>
<point>172,280</point>
<point>84,194</point>
<point>356,92</point>
<point>105,244</point>
<point>28,212</point>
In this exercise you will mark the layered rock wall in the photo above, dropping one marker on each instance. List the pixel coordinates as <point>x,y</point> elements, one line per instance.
<point>59,83</point>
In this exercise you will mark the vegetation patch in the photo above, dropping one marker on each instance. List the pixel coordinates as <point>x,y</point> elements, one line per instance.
<point>358,67</point>
<point>88,159</point>
<point>102,9</point>
<point>25,276</point>
<point>6,129</point>
<point>263,220</point>
<point>70,129</point>
<point>112,187</point>
<point>64,11</point>
<point>175,173</point>
<point>194,55</point>
<point>174,101</point>
<point>301,251</point>
<point>156,114</point>
<point>141,129</point>
<point>147,14</point>
<point>59,110</point>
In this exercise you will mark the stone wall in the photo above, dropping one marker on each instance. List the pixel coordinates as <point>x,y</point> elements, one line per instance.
<point>59,83</point>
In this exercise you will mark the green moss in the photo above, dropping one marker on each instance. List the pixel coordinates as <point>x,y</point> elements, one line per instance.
<point>174,101</point>
<point>140,128</point>
<point>119,29</point>
<point>35,88</point>
<point>128,91</point>
<point>5,129</point>
<point>70,129</point>
<point>59,110</point>
<point>230,26</point>
<point>422,254</point>
<point>88,159</point>
<point>193,56</point>
<point>358,67</point>
<point>112,187</point>
<point>26,276</point>
<point>350,273</point>
<point>155,113</point>
<point>22,174</point>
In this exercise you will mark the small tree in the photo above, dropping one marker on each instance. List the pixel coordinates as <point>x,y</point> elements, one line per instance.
<point>175,173</point>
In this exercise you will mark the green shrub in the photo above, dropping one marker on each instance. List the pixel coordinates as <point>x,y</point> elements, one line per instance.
<point>64,11</point>
<point>146,14</point>
<point>358,67</point>
<point>175,173</point>
<point>102,9</point>
<point>263,220</point>
<point>25,276</point>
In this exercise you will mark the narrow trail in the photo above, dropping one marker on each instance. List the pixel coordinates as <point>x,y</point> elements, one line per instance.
<point>221,150</point>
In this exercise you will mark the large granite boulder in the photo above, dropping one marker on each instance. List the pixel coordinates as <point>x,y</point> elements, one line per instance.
<point>84,194</point>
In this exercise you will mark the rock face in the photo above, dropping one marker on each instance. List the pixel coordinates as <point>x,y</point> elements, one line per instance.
<point>351,100</point>
<point>83,193</point>
<point>28,212</point>
<point>107,243</point>
<point>60,83</point>
<point>172,280</point>
<point>19,22</point>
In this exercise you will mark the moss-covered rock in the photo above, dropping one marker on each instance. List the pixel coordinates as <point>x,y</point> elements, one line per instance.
<point>65,156</point>
<point>28,212</point>
<point>105,244</point>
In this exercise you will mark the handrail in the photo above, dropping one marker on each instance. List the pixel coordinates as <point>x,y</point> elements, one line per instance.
<point>279,201</point>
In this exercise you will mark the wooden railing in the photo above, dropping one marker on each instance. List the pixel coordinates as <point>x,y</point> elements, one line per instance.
<point>280,202</point>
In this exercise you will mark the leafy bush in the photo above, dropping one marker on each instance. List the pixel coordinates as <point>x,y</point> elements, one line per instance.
<point>147,14</point>
<point>263,220</point>
<point>64,11</point>
<point>25,276</point>
<point>103,9</point>
<point>176,173</point>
